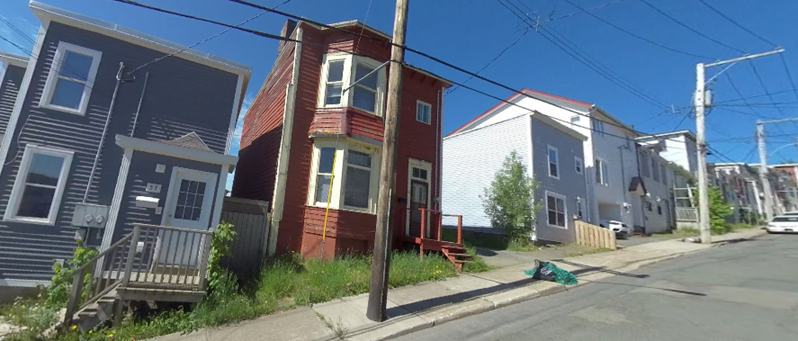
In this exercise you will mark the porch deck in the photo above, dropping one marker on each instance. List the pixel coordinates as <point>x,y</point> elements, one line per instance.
<point>454,251</point>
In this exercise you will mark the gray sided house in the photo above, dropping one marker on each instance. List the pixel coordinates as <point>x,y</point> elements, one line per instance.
<point>92,144</point>
<point>552,152</point>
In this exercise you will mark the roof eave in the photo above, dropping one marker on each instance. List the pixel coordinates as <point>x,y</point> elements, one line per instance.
<point>13,59</point>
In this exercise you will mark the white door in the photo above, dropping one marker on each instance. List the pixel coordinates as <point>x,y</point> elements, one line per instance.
<point>188,205</point>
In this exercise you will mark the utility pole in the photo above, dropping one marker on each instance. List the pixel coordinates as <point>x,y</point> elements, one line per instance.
<point>763,163</point>
<point>701,102</point>
<point>378,288</point>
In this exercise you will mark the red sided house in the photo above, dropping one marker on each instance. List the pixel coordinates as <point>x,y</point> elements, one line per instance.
<point>314,134</point>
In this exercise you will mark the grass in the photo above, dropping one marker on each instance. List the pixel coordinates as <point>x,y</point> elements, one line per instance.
<point>285,283</point>
<point>715,230</point>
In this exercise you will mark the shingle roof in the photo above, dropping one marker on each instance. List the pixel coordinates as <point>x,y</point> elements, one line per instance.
<point>190,141</point>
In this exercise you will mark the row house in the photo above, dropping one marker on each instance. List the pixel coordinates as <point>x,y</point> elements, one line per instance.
<point>740,186</point>
<point>93,145</point>
<point>654,208</point>
<point>312,142</point>
<point>788,194</point>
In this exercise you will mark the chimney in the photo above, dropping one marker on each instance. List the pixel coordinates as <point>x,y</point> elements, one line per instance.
<point>287,31</point>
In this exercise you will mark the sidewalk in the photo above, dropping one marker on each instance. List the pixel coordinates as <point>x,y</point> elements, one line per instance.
<point>423,306</point>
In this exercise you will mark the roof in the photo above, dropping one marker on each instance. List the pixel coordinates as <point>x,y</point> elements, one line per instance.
<point>532,93</point>
<point>13,59</point>
<point>673,133</point>
<point>190,141</point>
<point>636,183</point>
<point>46,12</point>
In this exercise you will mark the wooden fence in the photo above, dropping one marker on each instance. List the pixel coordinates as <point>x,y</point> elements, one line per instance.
<point>594,236</point>
<point>686,214</point>
<point>251,221</point>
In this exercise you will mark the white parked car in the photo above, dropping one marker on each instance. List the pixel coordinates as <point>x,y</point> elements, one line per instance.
<point>618,227</point>
<point>783,224</point>
<point>793,213</point>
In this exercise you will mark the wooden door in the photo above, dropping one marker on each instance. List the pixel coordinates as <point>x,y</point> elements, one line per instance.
<point>418,199</point>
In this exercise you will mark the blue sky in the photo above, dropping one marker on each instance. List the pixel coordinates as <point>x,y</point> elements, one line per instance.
<point>471,33</point>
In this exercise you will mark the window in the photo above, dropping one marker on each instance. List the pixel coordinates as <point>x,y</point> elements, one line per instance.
<point>659,209</point>
<point>579,208</point>
<point>69,83</point>
<point>663,173</point>
<point>39,185</point>
<point>189,200</point>
<point>345,173</point>
<point>602,172</point>
<point>648,206</point>
<point>555,207</point>
<point>578,165</point>
<point>598,126</point>
<point>324,175</point>
<point>423,112</point>
<point>554,163</point>
<point>351,81</point>
<point>574,121</point>
<point>420,173</point>
<point>358,179</point>
<point>654,169</point>
<point>644,165</point>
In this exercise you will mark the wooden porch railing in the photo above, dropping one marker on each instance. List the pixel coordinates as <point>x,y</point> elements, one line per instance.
<point>153,257</point>
<point>436,219</point>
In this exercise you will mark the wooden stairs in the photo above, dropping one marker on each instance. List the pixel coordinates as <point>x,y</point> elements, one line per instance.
<point>96,313</point>
<point>454,251</point>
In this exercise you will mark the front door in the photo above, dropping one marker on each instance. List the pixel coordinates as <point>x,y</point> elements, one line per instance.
<point>188,205</point>
<point>418,199</point>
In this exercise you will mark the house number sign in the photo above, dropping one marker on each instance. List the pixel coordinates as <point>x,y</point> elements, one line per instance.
<point>153,188</point>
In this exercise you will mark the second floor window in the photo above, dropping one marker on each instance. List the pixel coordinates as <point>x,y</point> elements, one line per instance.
<point>602,172</point>
<point>69,83</point>
<point>351,81</point>
<point>423,112</point>
<point>578,165</point>
<point>654,169</point>
<point>598,126</point>
<point>554,163</point>
<point>663,174</point>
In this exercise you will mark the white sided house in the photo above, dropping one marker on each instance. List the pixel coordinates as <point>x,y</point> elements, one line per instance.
<point>610,159</point>
<point>552,152</point>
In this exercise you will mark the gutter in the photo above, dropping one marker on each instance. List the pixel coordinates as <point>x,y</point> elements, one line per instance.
<point>278,199</point>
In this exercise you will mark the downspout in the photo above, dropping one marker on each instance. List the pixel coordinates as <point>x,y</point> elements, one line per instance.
<point>105,130</point>
<point>141,99</point>
<point>278,199</point>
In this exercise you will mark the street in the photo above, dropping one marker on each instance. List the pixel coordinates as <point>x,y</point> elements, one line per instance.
<point>740,291</point>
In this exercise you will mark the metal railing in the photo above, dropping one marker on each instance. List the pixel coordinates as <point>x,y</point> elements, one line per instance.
<point>154,257</point>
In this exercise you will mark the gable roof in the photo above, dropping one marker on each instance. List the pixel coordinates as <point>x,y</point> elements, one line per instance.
<point>685,132</point>
<point>190,141</point>
<point>525,93</point>
<point>13,59</point>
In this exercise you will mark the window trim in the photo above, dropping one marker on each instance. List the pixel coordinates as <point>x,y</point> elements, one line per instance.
<point>55,71</point>
<point>338,186</point>
<point>581,163</point>
<point>19,185</point>
<point>350,67</point>
<point>579,209</point>
<point>564,206</point>
<point>601,162</point>
<point>430,111</point>
<point>549,163</point>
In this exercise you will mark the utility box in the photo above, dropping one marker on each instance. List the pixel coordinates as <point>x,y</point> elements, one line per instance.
<point>90,215</point>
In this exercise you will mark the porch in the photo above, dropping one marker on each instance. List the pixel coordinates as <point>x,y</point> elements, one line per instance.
<point>425,229</point>
<point>152,264</point>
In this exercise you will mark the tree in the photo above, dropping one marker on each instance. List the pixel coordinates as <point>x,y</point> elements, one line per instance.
<point>510,200</point>
<point>718,211</point>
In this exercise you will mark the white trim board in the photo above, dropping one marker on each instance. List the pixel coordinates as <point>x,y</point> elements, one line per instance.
<point>116,202</point>
<point>22,283</point>
<point>13,59</point>
<point>175,151</point>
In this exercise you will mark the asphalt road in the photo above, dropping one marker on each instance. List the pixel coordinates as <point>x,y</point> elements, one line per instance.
<point>742,291</point>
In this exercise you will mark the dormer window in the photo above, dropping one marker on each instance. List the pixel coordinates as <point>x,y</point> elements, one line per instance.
<point>351,81</point>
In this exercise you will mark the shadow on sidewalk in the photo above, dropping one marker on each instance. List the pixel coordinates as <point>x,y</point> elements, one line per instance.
<point>588,269</point>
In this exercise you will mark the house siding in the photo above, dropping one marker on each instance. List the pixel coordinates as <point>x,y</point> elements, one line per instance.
<point>142,172</point>
<point>470,162</point>
<point>570,183</point>
<point>9,88</point>
<point>181,97</point>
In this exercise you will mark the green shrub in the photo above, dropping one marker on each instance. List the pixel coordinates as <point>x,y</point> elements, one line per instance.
<point>57,294</point>
<point>509,202</point>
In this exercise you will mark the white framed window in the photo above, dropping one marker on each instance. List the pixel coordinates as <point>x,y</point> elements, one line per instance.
<point>554,162</point>
<point>71,78</point>
<point>598,126</point>
<point>579,166</point>
<point>350,81</point>
<point>602,172</point>
<point>345,173</point>
<point>556,210</point>
<point>39,185</point>
<point>579,208</point>
<point>574,121</point>
<point>423,112</point>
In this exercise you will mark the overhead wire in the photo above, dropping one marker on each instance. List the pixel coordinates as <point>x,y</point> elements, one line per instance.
<point>718,12</point>
<point>507,48</point>
<point>682,24</point>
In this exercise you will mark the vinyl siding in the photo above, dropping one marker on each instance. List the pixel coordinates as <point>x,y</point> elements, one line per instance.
<point>181,97</point>
<point>9,88</point>
<point>470,162</point>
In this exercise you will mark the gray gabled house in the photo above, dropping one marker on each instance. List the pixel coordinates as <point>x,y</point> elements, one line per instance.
<point>97,138</point>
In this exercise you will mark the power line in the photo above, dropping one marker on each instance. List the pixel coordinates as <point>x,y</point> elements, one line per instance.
<point>724,16</point>
<point>158,59</point>
<point>789,75</point>
<point>573,51</point>
<point>451,90</point>
<point>764,87</point>
<point>745,101</point>
<point>755,96</point>
<point>680,23</point>
<point>639,37</point>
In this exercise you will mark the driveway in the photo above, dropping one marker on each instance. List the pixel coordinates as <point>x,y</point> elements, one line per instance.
<point>746,290</point>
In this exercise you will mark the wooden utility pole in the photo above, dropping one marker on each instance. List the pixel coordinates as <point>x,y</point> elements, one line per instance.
<point>378,289</point>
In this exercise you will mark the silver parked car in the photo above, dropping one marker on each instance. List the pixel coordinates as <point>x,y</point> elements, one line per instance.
<point>783,224</point>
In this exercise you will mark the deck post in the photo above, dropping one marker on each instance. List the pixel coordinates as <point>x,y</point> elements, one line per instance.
<point>440,226</point>
<point>423,223</point>
<point>460,230</point>
<point>203,265</point>
<point>75,295</point>
<point>131,255</point>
